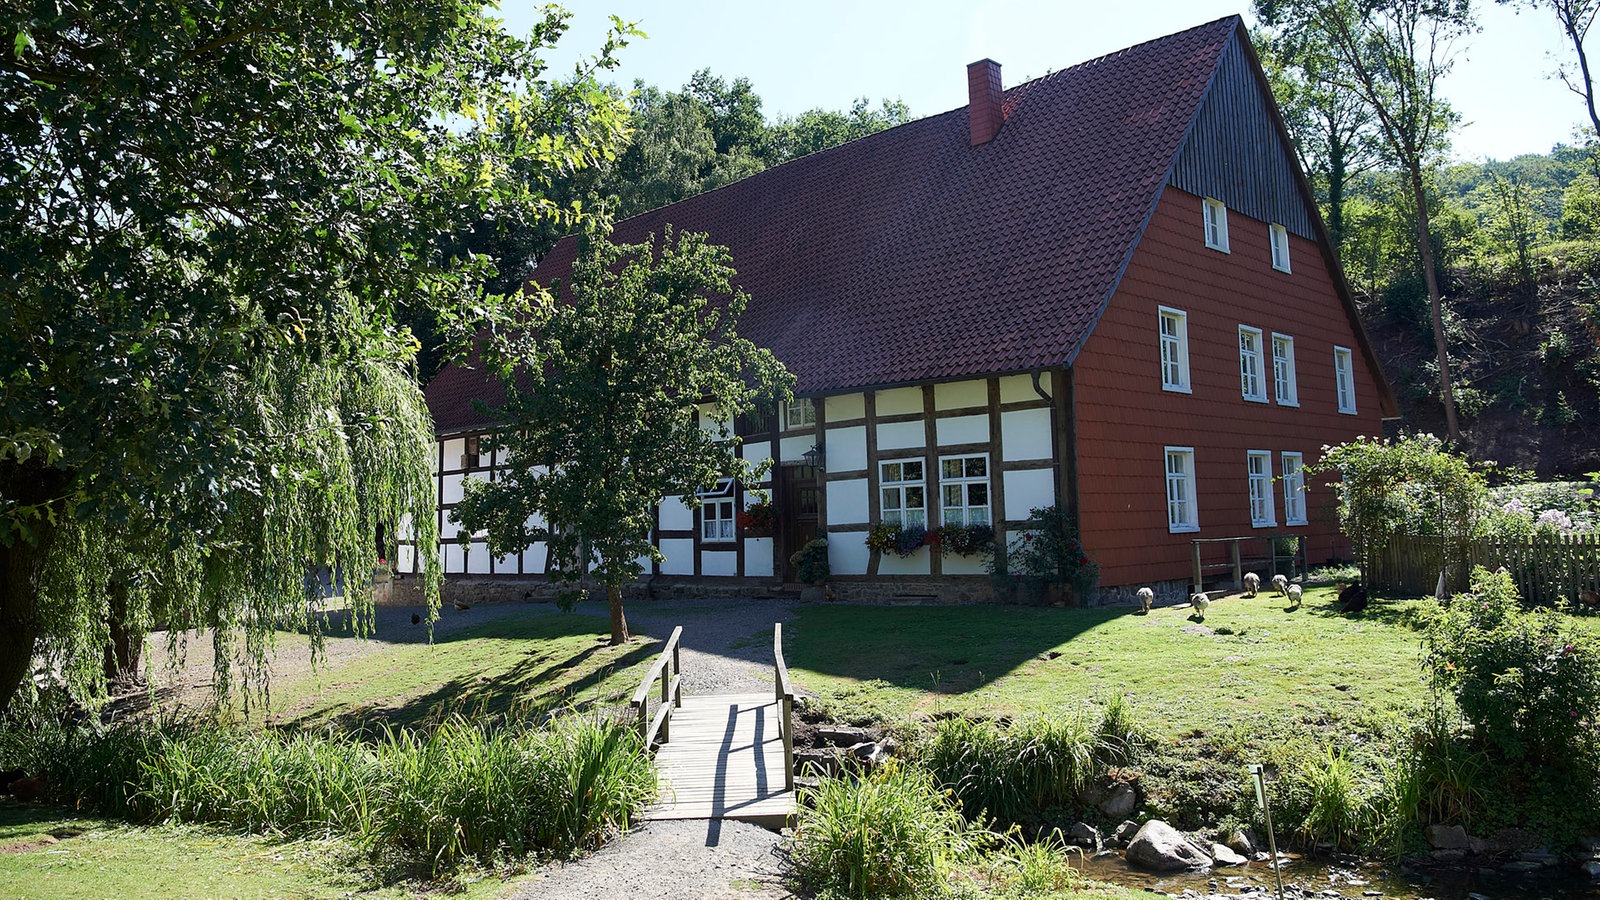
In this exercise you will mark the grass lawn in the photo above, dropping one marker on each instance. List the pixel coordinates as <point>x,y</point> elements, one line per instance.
<point>537,660</point>
<point>49,852</point>
<point>1249,657</point>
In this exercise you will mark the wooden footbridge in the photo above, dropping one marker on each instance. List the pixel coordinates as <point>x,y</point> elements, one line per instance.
<point>725,756</point>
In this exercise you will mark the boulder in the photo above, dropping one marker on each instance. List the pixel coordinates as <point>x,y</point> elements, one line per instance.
<point>1223,855</point>
<point>1448,837</point>
<point>1084,835</point>
<point>820,762</point>
<point>1162,848</point>
<point>1238,840</point>
<point>1591,868</point>
<point>843,735</point>
<point>1120,801</point>
<point>1125,832</point>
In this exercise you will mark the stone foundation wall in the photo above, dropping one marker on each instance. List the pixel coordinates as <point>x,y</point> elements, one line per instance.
<point>1167,593</point>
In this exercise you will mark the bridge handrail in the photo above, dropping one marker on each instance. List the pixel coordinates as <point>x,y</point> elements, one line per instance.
<point>667,668</point>
<point>785,701</point>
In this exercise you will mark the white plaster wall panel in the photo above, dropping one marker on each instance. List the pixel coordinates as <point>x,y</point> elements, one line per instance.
<point>533,559</point>
<point>404,532</point>
<point>719,562</point>
<point>453,448</point>
<point>676,515</point>
<point>406,559</point>
<point>452,558</point>
<point>505,564</point>
<point>901,436</point>
<point>448,529</point>
<point>895,564</point>
<point>899,402</point>
<point>758,557</point>
<point>962,565</point>
<point>793,447</point>
<point>1028,489</point>
<point>1019,388</point>
<point>679,553</point>
<point>478,559</point>
<point>756,451</point>
<point>709,422</point>
<point>960,395</point>
<point>848,553</point>
<point>846,449</point>
<point>1025,434</point>
<point>451,492</point>
<point>845,406</point>
<point>535,521</point>
<point>847,502</point>
<point>962,430</point>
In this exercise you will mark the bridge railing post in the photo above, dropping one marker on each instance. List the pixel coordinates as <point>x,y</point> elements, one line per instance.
<point>785,702</point>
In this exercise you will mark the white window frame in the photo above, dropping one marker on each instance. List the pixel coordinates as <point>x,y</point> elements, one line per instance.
<point>1344,379</point>
<point>1284,384</point>
<point>1280,247</point>
<point>1263,511</point>
<point>963,483</point>
<point>901,512</point>
<point>1183,512</point>
<point>1294,489</point>
<point>1252,365</point>
<point>799,414</point>
<point>1214,221</point>
<point>718,522</point>
<point>1174,349</point>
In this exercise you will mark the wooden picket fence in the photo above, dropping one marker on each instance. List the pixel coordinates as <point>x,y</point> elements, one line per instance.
<point>1546,569</point>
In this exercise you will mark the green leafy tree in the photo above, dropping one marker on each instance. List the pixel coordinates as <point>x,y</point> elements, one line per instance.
<point>1412,485</point>
<point>819,129</point>
<point>1576,17</point>
<point>1392,54</point>
<point>1331,126</point>
<point>621,391</point>
<point>212,217</point>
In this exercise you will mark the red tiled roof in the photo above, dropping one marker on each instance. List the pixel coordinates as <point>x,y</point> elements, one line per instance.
<point>911,255</point>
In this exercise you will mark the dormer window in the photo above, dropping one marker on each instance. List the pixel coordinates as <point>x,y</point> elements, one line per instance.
<point>1216,224</point>
<point>1280,247</point>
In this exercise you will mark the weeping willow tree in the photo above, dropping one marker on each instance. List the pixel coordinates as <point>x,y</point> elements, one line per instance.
<point>213,219</point>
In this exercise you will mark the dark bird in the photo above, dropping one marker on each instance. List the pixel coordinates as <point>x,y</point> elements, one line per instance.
<point>1589,597</point>
<point>1353,599</point>
<point>462,604</point>
<point>416,619</point>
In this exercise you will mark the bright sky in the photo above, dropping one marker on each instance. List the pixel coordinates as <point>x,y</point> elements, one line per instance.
<point>806,55</point>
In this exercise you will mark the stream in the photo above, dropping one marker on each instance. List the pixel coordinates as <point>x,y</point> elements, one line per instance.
<point>1350,878</point>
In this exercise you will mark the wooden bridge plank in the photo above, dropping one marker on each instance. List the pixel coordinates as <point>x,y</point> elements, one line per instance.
<point>724,761</point>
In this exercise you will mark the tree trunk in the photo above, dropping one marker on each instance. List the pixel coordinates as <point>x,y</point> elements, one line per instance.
<point>124,661</point>
<point>27,484</point>
<point>619,622</point>
<point>1583,64</point>
<point>1435,306</point>
<point>19,613</point>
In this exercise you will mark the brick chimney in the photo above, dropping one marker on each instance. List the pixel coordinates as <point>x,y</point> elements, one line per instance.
<point>985,98</point>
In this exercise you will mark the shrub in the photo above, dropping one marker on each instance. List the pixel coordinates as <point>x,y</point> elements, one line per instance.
<point>1527,681</point>
<point>1041,868</point>
<point>965,540</point>
<point>1327,789</point>
<point>1048,553</point>
<point>811,562</point>
<point>891,834</point>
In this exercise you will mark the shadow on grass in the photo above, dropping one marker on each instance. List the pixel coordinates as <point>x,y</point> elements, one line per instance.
<point>1381,611</point>
<point>946,650</point>
<point>532,686</point>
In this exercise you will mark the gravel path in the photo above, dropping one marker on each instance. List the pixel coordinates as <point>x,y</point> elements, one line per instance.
<point>727,645</point>
<point>679,860</point>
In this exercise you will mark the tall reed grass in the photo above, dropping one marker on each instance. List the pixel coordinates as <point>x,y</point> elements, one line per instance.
<point>894,833</point>
<point>431,800</point>
<point>1014,772</point>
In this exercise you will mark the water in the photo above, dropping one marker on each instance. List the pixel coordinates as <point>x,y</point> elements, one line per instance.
<point>1353,879</point>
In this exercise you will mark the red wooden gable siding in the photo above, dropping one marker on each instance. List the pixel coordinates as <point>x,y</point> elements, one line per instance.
<point>1125,419</point>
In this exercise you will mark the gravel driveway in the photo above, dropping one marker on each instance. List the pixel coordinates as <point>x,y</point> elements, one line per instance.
<point>678,860</point>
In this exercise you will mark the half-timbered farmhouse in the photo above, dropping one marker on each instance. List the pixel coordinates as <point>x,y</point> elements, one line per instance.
<point>1107,288</point>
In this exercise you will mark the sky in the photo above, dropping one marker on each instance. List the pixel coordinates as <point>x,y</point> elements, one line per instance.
<point>807,55</point>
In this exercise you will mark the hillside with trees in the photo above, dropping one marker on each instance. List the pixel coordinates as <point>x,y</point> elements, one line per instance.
<point>1487,272</point>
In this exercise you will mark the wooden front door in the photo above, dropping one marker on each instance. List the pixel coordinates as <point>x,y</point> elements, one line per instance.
<point>798,491</point>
